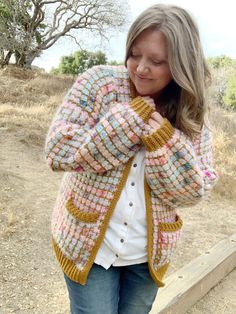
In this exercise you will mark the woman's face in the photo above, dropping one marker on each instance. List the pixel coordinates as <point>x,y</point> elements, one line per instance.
<point>147,65</point>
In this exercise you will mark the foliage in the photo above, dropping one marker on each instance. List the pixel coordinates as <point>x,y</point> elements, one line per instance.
<point>20,34</point>
<point>222,61</point>
<point>28,27</point>
<point>114,62</point>
<point>79,62</point>
<point>230,95</point>
<point>223,67</point>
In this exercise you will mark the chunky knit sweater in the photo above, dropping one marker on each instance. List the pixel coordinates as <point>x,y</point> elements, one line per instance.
<point>93,138</point>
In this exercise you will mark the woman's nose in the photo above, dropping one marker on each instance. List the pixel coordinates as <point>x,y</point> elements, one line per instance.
<point>142,67</point>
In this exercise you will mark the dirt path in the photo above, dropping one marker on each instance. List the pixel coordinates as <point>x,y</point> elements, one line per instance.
<point>220,300</point>
<point>30,279</point>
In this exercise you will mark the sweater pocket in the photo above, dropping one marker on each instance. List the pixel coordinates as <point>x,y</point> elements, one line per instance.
<point>79,214</point>
<point>168,236</point>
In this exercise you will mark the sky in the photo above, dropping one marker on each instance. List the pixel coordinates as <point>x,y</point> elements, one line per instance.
<point>215,19</point>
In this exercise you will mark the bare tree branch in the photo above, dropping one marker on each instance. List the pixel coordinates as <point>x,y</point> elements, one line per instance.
<point>29,27</point>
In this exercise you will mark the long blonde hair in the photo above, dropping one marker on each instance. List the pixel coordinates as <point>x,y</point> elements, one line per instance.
<point>183,101</point>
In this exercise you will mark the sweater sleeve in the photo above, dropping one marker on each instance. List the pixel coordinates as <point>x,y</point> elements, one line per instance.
<point>88,135</point>
<point>179,171</point>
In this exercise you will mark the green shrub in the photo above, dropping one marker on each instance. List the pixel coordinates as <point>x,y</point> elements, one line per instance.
<point>230,94</point>
<point>221,62</point>
<point>79,62</point>
<point>114,62</point>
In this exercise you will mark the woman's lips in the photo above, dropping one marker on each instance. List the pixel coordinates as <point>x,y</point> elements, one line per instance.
<point>141,78</point>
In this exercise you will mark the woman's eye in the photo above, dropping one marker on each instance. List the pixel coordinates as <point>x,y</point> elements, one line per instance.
<point>134,55</point>
<point>156,62</point>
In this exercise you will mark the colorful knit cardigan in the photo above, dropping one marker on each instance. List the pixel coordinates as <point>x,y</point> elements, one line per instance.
<point>93,138</point>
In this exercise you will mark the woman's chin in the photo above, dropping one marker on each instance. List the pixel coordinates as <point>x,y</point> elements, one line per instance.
<point>146,94</point>
<point>142,93</point>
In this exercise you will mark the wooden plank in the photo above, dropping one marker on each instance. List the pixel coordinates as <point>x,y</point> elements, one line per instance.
<point>190,283</point>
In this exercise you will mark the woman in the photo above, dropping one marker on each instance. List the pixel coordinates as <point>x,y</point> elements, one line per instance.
<point>134,146</point>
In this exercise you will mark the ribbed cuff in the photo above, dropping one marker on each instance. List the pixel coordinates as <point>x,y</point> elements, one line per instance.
<point>141,108</point>
<point>160,137</point>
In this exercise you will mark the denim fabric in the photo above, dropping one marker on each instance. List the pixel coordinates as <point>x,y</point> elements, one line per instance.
<point>118,290</point>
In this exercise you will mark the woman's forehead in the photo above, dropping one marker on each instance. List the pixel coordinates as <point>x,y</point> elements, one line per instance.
<point>151,41</point>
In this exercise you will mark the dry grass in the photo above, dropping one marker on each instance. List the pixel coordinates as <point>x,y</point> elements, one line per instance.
<point>28,100</point>
<point>224,123</point>
<point>9,223</point>
<point>28,88</point>
<point>50,85</point>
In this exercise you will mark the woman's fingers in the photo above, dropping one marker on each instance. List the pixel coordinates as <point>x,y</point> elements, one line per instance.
<point>157,117</point>
<point>149,101</point>
<point>153,123</point>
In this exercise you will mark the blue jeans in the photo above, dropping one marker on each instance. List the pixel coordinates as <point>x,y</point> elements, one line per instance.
<point>118,290</point>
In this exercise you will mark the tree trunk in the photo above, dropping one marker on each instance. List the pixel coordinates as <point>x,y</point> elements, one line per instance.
<point>21,60</point>
<point>6,59</point>
<point>25,60</point>
<point>30,58</point>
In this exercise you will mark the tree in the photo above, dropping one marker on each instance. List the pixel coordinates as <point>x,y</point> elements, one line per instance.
<point>79,62</point>
<point>221,62</point>
<point>28,27</point>
<point>13,23</point>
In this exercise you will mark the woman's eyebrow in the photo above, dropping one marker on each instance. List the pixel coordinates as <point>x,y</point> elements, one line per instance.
<point>153,55</point>
<point>159,57</point>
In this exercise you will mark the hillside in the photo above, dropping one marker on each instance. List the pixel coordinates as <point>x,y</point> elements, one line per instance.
<point>31,281</point>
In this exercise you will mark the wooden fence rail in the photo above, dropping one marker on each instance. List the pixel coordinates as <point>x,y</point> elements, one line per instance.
<point>190,283</point>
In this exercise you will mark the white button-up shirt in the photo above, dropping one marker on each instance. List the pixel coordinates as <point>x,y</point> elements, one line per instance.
<point>125,241</point>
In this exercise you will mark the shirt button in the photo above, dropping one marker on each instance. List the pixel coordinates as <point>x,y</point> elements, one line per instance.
<point>131,204</point>
<point>134,165</point>
<point>133,183</point>
<point>122,240</point>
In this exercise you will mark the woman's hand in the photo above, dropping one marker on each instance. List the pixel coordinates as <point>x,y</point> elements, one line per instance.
<point>155,119</point>
<point>150,102</point>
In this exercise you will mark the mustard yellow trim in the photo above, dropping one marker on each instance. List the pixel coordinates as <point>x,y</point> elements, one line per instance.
<point>69,266</point>
<point>158,274</point>
<point>141,108</point>
<point>80,215</point>
<point>160,137</point>
<point>171,226</point>
<point>110,212</point>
